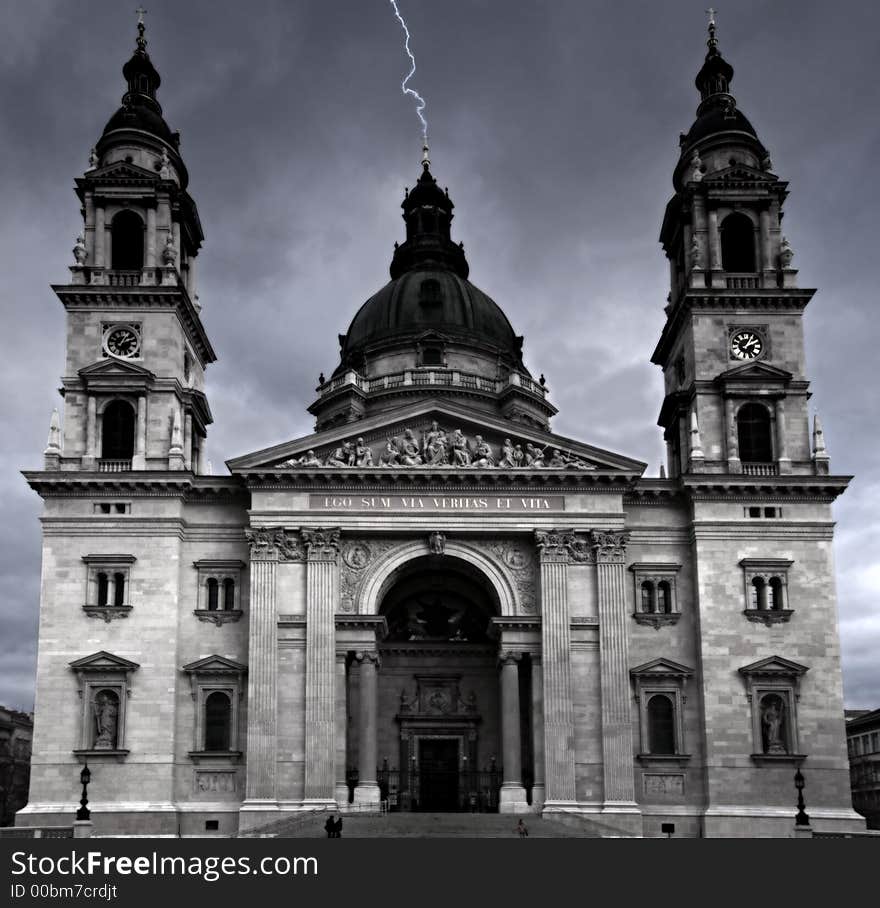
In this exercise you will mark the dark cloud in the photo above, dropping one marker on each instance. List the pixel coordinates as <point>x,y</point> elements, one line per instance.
<point>555,127</point>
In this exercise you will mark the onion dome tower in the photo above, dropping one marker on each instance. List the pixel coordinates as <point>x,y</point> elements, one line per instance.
<point>430,332</point>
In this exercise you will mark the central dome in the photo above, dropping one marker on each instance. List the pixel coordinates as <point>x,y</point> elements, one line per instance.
<point>431,300</point>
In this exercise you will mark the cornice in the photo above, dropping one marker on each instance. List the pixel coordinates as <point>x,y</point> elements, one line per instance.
<point>140,484</point>
<point>712,487</point>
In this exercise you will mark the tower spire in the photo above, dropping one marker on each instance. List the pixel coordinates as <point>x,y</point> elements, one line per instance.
<point>141,27</point>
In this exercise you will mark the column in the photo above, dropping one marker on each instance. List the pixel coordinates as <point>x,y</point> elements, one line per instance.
<point>139,461</point>
<point>733,462</point>
<point>782,457</point>
<point>88,460</point>
<point>187,440</point>
<point>617,745</point>
<point>769,276</point>
<point>556,651</point>
<point>715,249</point>
<point>99,236</point>
<point>322,547</point>
<point>538,787</point>
<point>262,745</point>
<point>513,794</point>
<point>341,719</point>
<point>367,791</point>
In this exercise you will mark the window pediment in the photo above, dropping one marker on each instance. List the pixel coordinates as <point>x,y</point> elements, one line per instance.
<point>661,668</point>
<point>103,662</point>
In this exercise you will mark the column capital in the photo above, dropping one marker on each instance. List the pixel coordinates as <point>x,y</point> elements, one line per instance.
<point>609,546</point>
<point>322,544</point>
<point>509,657</point>
<point>274,544</point>
<point>562,546</point>
<point>368,656</point>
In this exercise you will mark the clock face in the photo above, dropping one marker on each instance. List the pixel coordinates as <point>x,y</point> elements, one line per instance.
<point>123,342</point>
<point>746,345</point>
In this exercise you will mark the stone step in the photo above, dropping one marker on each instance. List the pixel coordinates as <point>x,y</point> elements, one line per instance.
<point>431,825</point>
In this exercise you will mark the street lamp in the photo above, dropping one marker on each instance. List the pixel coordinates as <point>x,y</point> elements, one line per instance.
<point>84,777</point>
<point>801,819</point>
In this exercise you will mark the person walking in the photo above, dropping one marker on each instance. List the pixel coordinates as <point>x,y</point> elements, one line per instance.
<point>522,829</point>
<point>330,826</point>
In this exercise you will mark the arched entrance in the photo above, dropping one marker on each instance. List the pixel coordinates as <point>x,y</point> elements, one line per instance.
<point>438,711</point>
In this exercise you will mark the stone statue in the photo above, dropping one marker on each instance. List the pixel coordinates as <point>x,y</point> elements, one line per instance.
<point>786,254</point>
<point>557,460</point>
<point>406,704</point>
<point>461,456</point>
<point>507,457</point>
<point>483,456</point>
<point>437,543</point>
<point>169,253</point>
<point>519,456</point>
<point>79,251</point>
<point>696,167</point>
<point>409,450</point>
<point>363,456</point>
<point>435,445</point>
<point>106,718</point>
<point>390,457</point>
<point>342,456</point>
<point>534,456</point>
<point>93,159</point>
<point>164,168</point>
<point>309,459</point>
<point>321,378</point>
<point>771,719</point>
<point>696,252</point>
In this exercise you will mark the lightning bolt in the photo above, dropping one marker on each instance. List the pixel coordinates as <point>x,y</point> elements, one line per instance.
<point>420,101</point>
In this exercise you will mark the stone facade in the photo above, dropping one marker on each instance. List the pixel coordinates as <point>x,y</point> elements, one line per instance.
<point>434,601</point>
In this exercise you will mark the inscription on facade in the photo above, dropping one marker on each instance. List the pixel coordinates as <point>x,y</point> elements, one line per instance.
<point>658,784</point>
<point>454,503</point>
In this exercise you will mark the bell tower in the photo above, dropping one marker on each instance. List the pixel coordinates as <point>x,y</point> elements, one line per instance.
<point>133,382</point>
<point>732,349</point>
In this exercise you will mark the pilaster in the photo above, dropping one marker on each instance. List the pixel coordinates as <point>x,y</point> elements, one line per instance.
<point>322,548</point>
<point>341,721</point>
<point>554,551</point>
<point>538,787</point>
<point>609,548</point>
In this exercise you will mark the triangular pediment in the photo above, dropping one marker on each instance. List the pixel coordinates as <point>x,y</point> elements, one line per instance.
<point>215,665</point>
<point>774,665</point>
<point>740,173</point>
<point>121,170</point>
<point>113,366</point>
<point>463,439</point>
<point>755,372</point>
<point>102,662</point>
<point>661,668</point>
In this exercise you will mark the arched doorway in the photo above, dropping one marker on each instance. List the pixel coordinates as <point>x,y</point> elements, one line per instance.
<point>438,729</point>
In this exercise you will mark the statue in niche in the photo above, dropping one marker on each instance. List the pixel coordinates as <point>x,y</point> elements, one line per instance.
<point>407,704</point>
<point>437,543</point>
<point>772,716</point>
<point>483,456</point>
<point>79,251</point>
<point>363,456</point>
<point>409,450</point>
<point>106,708</point>
<point>507,456</point>
<point>390,457</point>
<point>461,456</point>
<point>434,446</point>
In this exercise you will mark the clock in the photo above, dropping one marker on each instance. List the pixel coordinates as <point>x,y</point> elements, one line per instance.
<point>746,344</point>
<point>122,341</point>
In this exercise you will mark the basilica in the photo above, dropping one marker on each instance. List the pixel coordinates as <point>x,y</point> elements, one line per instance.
<point>434,602</point>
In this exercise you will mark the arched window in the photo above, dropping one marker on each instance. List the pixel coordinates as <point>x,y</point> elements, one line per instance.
<point>213,594</point>
<point>759,593</point>
<point>661,728</point>
<point>119,588</point>
<point>228,594</point>
<point>753,431</point>
<point>103,588</point>
<point>127,232</point>
<point>218,712</point>
<point>664,599</point>
<point>737,243</point>
<point>117,431</point>
<point>647,597</point>
<point>776,599</point>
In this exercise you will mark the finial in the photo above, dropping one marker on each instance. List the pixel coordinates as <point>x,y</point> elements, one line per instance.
<point>696,440</point>
<point>53,445</point>
<point>426,159</point>
<point>662,471</point>
<point>141,40</point>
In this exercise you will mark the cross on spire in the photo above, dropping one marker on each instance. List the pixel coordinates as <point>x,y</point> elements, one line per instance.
<point>141,40</point>
<point>711,13</point>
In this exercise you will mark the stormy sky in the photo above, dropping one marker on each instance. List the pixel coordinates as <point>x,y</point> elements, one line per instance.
<point>555,127</point>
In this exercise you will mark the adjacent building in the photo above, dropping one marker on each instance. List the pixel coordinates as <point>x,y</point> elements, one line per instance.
<point>16,730</point>
<point>863,743</point>
<point>434,600</point>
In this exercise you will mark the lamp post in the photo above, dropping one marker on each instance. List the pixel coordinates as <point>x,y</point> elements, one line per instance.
<point>84,777</point>
<point>801,819</point>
